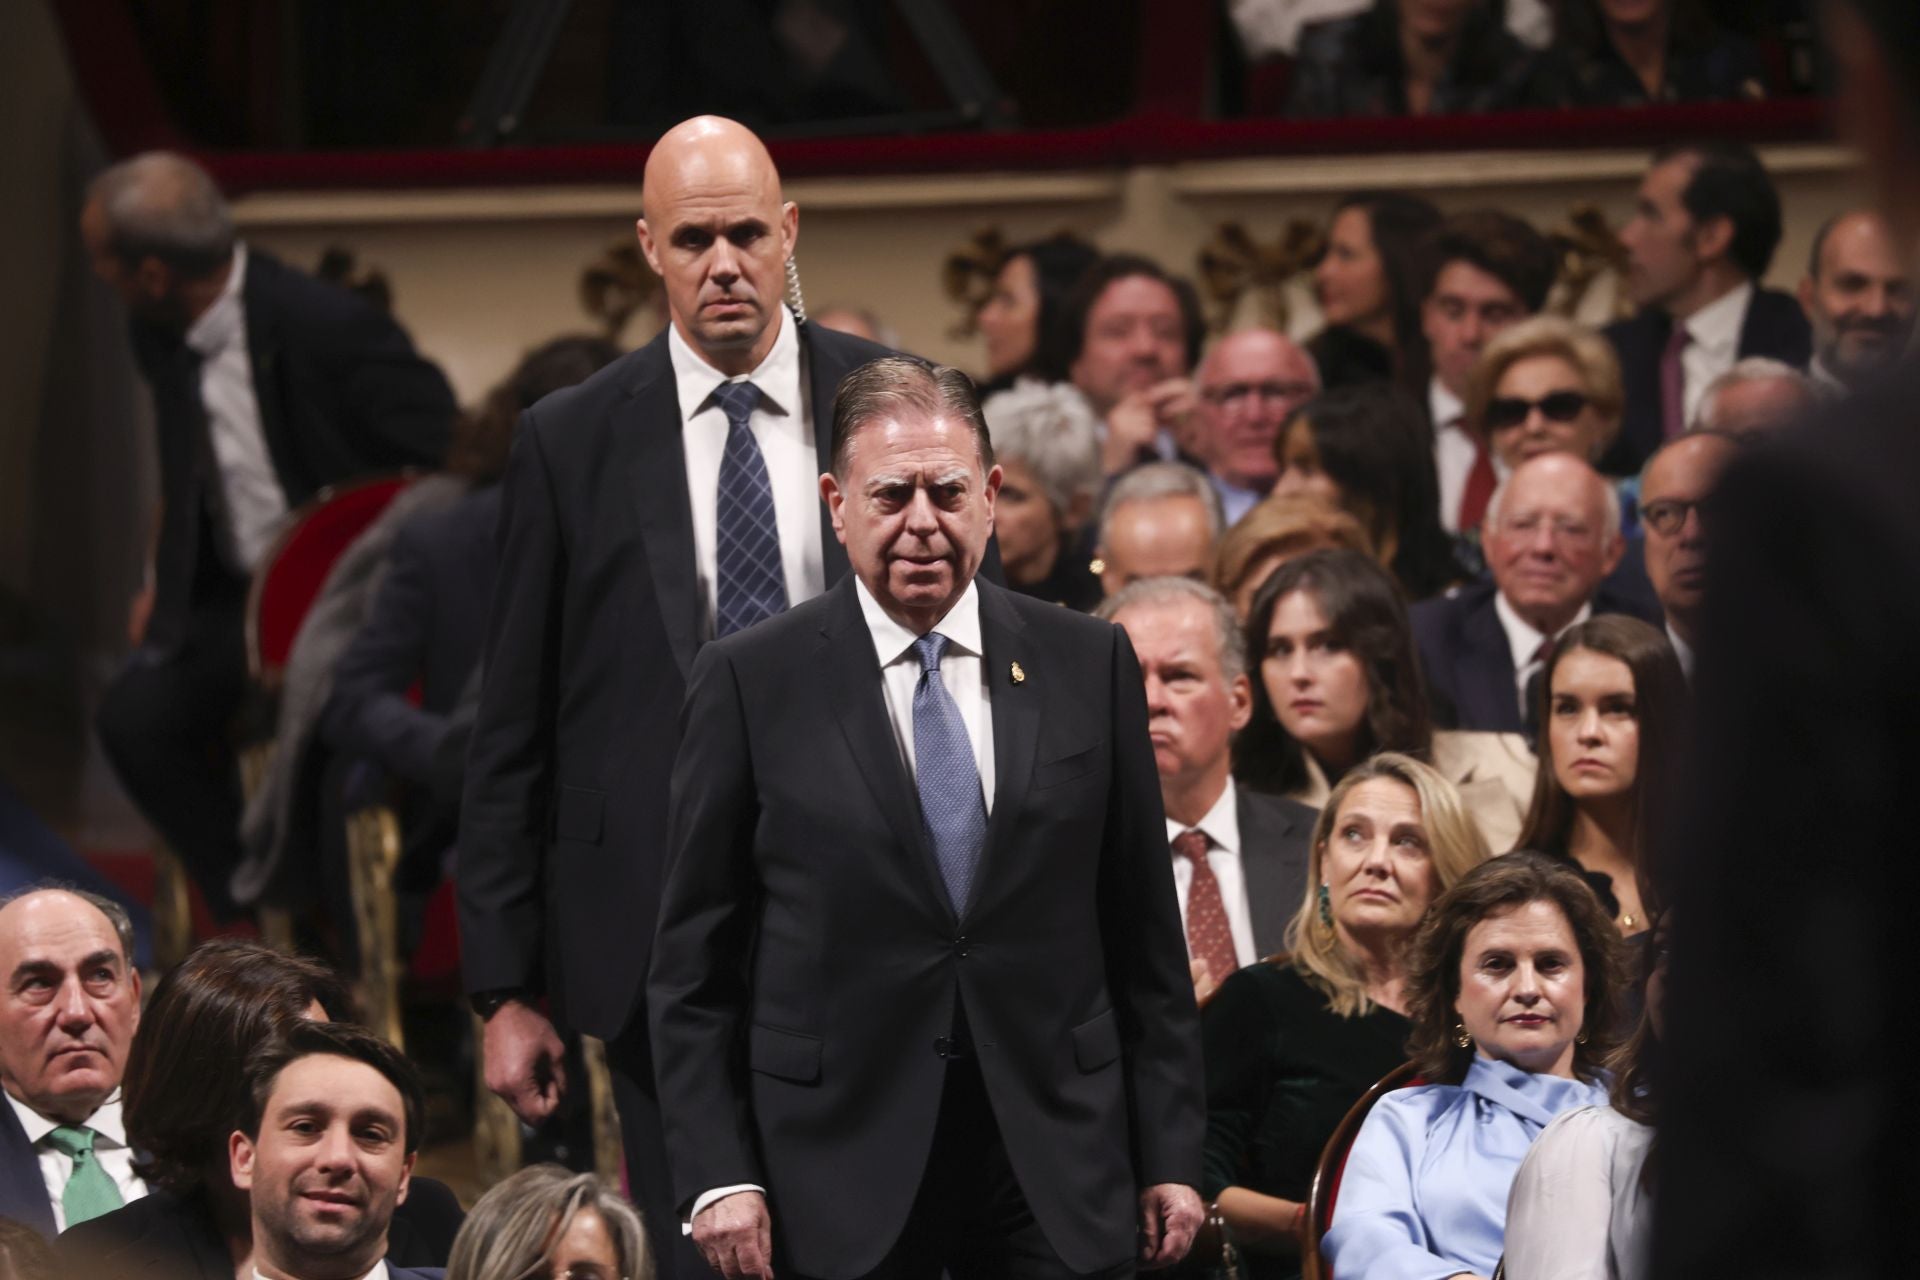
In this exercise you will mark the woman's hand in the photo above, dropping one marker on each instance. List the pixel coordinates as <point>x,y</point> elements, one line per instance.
<point>1264,1224</point>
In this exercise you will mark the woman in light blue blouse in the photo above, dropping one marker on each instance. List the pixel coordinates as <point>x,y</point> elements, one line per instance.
<point>1512,991</point>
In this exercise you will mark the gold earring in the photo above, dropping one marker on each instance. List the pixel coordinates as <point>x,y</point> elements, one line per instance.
<point>1461,1039</point>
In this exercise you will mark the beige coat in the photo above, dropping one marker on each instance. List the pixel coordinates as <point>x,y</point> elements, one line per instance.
<point>1494,772</point>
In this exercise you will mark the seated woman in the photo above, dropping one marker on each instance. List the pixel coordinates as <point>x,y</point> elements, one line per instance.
<point>1022,315</point>
<point>1338,679</point>
<point>1292,1042</point>
<point>1511,989</point>
<point>1048,448</point>
<point>548,1221</point>
<point>1614,717</point>
<point>1629,53</point>
<point>1581,1204</point>
<point>1274,532</point>
<point>1414,58</point>
<point>185,1094</point>
<point>1367,283</point>
<point>1546,385</point>
<point>1364,450</point>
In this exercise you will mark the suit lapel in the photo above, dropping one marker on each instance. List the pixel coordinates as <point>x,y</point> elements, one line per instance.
<point>264,352</point>
<point>1016,719</point>
<point>1488,698</point>
<point>657,481</point>
<point>1264,847</point>
<point>21,1187</point>
<point>821,370</point>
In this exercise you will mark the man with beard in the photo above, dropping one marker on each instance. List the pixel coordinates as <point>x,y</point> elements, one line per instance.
<point>325,1154</point>
<point>1859,296</point>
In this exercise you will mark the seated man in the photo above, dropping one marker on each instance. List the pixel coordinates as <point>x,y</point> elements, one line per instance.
<point>1674,488</point>
<point>67,1014</point>
<point>1249,383</point>
<point>1859,297</point>
<point>1159,521</point>
<point>1552,537</point>
<point>333,1124</point>
<point>1132,336</point>
<point>1755,397</point>
<point>1239,857</point>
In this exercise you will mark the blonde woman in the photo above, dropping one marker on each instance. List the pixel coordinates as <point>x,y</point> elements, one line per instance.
<point>1546,385</point>
<point>1274,532</point>
<point>1292,1042</point>
<point>549,1223</point>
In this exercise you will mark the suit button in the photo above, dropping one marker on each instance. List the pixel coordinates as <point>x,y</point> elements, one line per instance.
<point>960,945</point>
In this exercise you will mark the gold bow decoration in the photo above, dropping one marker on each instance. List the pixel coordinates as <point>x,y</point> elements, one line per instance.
<point>617,284</point>
<point>1233,262</point>
<point>1587,247</point>
<point>968,276</point>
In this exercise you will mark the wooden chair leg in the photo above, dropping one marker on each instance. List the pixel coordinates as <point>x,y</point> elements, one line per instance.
<point>373,855</point>
<point>496,1130</point>
<point>606,1120</point>
<point>172,910</point>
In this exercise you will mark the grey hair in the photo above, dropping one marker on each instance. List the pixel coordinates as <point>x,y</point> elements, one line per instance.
<point>891,384</point>
<point>115,913</point>
<point>509,1233</point>
<point>1610,514</point>
<point>1048,426</point>
<point>1751,369</point>
<point>162,205</point>
<point>1162,480</point>
<point>1154,593</point>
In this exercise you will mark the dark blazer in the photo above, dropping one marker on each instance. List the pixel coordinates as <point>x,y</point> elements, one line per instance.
<point>1775,327</point>
<point>595,619</point>
<point>341,392</point>
<point>167,1236</point>
<point>1464,653</point>
<point>807,964</point>
<point>23,1194</point>
<point>1353,66</point>
<point>1274,833</point>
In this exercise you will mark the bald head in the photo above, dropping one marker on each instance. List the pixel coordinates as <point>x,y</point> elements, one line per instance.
<point>716,229</point>
<point>1553,534</point>
<point>157,229</point>
<point>1675,487</point>
<point>1859,295</point>
<point>1249,383</point>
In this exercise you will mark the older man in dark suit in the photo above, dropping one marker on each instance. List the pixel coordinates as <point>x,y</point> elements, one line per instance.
<point>1239,857</point>
<point>671,498</point>
<point>919,997</point>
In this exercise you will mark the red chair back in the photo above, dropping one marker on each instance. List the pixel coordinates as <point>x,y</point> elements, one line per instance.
<point>1333,1164</point>
<point>291,575</point>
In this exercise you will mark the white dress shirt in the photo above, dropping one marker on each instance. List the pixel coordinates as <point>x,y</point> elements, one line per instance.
<point>379,1272</point>
<point>1715,346</point>
<point>255,504</point>
<point>1681,650</point>
<point>782,424</point>
<point>109,1148</point>
<point>1453,451</point>
<point>1221,826</point>
<point>1523,642</point>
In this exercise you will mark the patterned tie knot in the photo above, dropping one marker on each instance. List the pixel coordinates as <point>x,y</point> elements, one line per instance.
<point>73,1141</point>
<point>736,400</point>
<point>932,647</point>
<point>1191,844</point>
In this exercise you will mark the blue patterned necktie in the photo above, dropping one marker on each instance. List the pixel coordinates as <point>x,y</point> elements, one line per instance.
<point>749,583</point>
<point>947,776</point>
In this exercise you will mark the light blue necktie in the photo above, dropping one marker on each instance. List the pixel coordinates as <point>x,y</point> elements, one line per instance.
<point>951,804</point>
<point>749,583</point>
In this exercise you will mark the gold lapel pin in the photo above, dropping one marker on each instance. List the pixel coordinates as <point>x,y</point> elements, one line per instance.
<point>1019,676</point>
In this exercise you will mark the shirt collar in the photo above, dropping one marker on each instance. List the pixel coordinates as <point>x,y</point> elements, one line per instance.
<point>1533,1096</point>
<point>223,323</point>
<point>1447,408</point>
<point>777,375</point>
<point>1522,640</point>
<point>893,642</point>
<point>1220,824</point>
<point>379,1272</point>
<point>106,1122</point>
<point>1716,326</point>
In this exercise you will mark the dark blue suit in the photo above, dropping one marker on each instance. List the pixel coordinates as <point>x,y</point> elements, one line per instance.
<point>23,1194</point>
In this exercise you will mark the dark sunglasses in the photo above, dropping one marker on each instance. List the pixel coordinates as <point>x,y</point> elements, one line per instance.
<point>1557,406</point>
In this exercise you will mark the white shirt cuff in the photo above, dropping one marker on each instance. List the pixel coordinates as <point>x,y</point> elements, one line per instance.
<point>708,1197</point>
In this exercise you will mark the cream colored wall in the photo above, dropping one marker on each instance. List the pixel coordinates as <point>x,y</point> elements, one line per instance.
<point>479,276</point>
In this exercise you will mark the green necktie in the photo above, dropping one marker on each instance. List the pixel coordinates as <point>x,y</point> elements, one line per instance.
<point>90,1191</point>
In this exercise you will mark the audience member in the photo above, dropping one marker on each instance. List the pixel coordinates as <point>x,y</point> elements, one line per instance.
<point>1280,528</point>
<point>1414,58</point>
<point>860,322</point>
<point>1859,296</point>
<point>1755,398</point>
<point>1487,270</point>
<point>1704,229</point>
<point>25,1253</point>
<point>186,1092</point>
<point>1291,1043</point>
<point>1368,285</point>
<point>1048,449</point>
<point>1239,857</point>
<point>549,1221</point>
<point>68,1012</point>
<point>1023,320</point>
<point>1512,989</point>
<point>1629,53</point>
<point>1553,536</point>
<point>1159,521</point>
<point>1614,714</point>
<point>340,393</point>
<point>1546,385</point>
<point>1249,383</point>
<point>1581,1203</point>
<point>1362,449</point>
<point>325,1152</point>
<point>1675,492</point>
<point>1337,681</point>
<point>1133,336</point>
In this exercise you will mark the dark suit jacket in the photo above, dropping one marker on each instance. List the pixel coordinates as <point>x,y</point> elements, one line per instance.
<point>23,1195</point>
<point>165,1236</point>
<point>595,619</point>
<point>1274,833</point>
<point>1469,668</point>
<point>1775,327</point>
<point>808,964</point>
<point>341,392</point>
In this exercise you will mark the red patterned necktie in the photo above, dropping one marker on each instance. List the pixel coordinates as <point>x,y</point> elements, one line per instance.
<point>1209,937</point>
<point>1481,482</point>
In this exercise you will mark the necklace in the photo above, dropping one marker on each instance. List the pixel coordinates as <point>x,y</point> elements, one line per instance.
<point>1626,920</point>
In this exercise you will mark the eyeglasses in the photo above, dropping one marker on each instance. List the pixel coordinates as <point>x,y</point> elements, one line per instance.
<point>1555,406</point>
<point>1668,516</point>
<point>1230,394</point>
